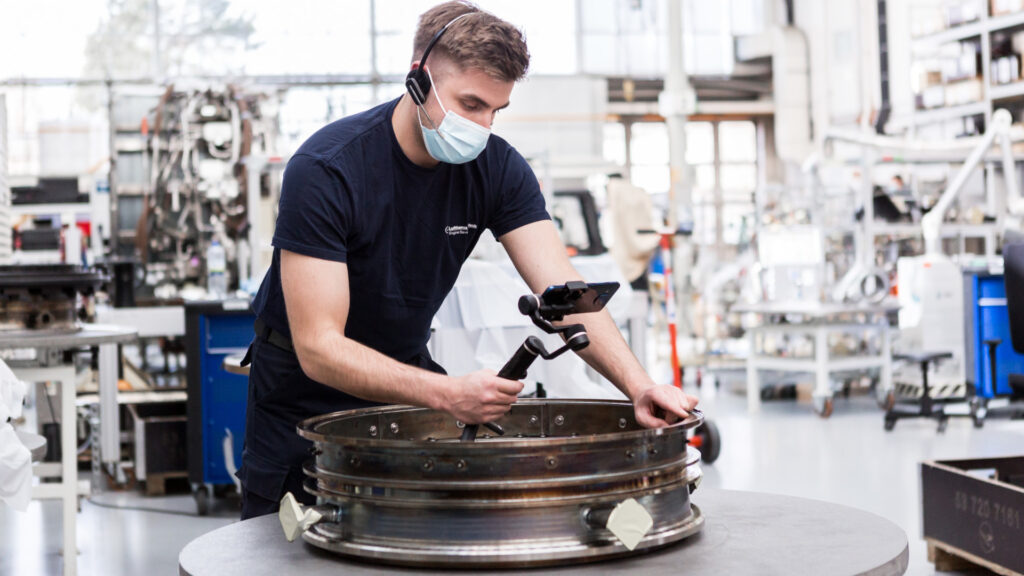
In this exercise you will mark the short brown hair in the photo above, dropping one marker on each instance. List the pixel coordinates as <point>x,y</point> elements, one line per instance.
<point>481,41</point>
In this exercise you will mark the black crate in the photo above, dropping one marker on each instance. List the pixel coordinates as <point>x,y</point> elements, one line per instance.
<point>160,432</point>
<point>975,509</point>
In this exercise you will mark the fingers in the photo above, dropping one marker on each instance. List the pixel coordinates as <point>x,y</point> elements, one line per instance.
<point>688,402</point>
<point>511,387</point>
<point>663,406</point>
<point>674,401</point>
<point>648,420</point>
<point>485,397</point>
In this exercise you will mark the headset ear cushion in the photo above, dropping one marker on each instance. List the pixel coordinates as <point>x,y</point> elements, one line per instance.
<point>418,85</point>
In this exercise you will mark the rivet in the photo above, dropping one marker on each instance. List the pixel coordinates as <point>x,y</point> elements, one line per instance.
<point>552,462</point>
<point>353,461</point>
<point>460,424</point>
<point>394,427</point>
<point>373,430</point>
<point>622,422</point>
<point>629,454</point>
<point>534,420</point>
<point>559,420</point>
<point>428,465</point>
<point>460,464</point>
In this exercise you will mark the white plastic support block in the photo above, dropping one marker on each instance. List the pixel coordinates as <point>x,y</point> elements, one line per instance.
<point>295,518</point>
<point>630,522</point>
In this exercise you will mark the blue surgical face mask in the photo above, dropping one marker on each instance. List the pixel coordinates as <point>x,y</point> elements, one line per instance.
<point>457,140</point>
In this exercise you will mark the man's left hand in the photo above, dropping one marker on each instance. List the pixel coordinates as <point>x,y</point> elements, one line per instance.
<point>662,405</point>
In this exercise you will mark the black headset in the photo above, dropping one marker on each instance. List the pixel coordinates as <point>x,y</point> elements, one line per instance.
<point>416,81</point>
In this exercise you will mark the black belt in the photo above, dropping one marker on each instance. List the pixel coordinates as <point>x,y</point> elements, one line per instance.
<point>273,337</point>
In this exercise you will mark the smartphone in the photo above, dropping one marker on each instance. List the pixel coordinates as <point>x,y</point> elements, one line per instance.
<point>577,297</point>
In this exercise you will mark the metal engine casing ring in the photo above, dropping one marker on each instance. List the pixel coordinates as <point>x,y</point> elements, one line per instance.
<point>409,493</point>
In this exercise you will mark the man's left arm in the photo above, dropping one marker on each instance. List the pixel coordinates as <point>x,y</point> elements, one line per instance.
<point>541,259</point>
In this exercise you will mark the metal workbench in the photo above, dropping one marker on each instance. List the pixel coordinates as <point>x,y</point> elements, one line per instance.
<point>819,320</point>
<point>745,533</point>
<point>46,363</point>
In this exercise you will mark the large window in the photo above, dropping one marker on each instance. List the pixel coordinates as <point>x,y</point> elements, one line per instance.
<point>724,159</point>
<point>723,155</point>
<point>648,145</point>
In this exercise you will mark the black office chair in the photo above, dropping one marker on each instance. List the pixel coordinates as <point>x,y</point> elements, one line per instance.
<point>926,406</point>
<point>1013,276</point>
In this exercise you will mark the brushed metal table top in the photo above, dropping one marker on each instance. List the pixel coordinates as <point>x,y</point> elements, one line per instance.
<point>89,335</point>
<point>745,533</point>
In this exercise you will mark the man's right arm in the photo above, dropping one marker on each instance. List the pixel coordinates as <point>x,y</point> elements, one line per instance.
<point>317,300</point>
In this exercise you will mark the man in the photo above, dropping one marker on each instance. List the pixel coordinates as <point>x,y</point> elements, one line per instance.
<point>378,212</point>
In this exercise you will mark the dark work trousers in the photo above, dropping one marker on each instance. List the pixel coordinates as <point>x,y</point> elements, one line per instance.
<point>281,396</point>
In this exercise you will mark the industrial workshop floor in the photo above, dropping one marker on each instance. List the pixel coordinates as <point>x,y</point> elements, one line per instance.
<point>785,449</point>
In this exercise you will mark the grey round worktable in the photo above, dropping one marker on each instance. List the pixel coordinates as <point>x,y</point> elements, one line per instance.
<point>233,364</point>
<point>744,533</point>
<point>87,335</point>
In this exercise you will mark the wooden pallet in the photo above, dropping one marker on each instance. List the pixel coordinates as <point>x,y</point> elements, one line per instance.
<point>156,484</point>
<point>950,558</point>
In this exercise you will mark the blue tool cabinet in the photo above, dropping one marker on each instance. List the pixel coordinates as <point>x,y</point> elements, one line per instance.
<point>216,397</point>
<point>987,319</point>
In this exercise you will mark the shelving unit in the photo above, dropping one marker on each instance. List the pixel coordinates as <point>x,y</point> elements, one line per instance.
<point>981,30</point>
<point>948,113</point>
<point>986,25</point>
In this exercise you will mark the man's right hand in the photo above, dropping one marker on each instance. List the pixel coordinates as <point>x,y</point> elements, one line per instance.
<point>480,397</point>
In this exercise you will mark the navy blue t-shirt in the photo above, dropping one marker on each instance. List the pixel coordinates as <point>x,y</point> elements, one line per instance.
<point>351,195</point>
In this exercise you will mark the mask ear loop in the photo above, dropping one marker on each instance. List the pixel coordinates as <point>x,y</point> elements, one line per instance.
<point>429,121</point>
<point>433,88</point>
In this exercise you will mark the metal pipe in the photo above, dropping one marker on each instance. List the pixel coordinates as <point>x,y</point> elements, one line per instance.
<point>1014,203</point>
<point>676,102</point>
<point>932,221</point>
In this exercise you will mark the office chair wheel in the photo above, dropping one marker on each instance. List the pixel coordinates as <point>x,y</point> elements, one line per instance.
<point>890,423</point>
<point>823,407</point>
<point>202,498</point>
<point>977,412</point>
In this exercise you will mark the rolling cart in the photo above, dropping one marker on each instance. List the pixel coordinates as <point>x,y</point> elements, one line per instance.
<point>216,396</point>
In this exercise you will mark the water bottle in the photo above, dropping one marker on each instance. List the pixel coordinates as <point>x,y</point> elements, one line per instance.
<point>216,273</point>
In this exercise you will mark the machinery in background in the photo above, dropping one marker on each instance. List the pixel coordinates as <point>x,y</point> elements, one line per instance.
<point>47,297</point>
<point>181,175</point>
<point>931,285</point>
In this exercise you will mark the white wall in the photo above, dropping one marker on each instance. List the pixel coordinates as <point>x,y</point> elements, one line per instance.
<point>557,121</point>
<point>842,38</point>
